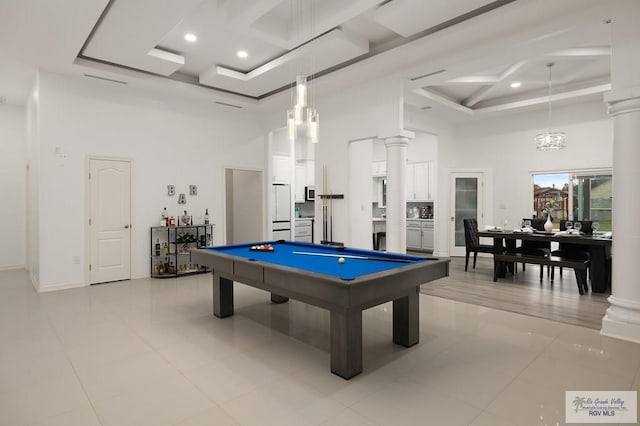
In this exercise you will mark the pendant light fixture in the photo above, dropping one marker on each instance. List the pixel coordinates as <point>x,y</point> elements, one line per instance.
<point>550,141</point>
<point>302,119</point>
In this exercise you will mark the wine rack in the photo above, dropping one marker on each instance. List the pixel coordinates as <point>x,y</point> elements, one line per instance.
<point>171,249</point>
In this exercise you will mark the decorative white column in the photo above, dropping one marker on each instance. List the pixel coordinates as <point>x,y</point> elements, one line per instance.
<point>396,193</point>
<point>622,319</point>
<point>623,316</point>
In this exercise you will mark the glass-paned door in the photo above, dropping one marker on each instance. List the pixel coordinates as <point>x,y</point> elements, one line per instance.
<point>574,196</point>
<point>466,203</point>
<point>592,199</point>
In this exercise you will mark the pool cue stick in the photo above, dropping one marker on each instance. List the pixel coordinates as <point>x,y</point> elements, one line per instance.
<point>324,203</point>
<point>331,215</point>
<point>351,256</point>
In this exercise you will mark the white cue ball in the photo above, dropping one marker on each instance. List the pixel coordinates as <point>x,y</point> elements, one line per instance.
<point>341,260</point>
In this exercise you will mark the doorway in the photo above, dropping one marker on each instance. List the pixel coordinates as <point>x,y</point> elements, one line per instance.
<point>244,201</point>
<point>467,201</point>
<point>109,224</point>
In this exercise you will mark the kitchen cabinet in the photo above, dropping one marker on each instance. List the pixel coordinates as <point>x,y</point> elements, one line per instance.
<point>171,249</point>
<point>305,176</point>
<point>379,168</point>
<point>300,183</point>
<point>420,181</point>
<point>420,234</point>
<point>310,172</point>
<point>281,169</point>
<point>303,230</point>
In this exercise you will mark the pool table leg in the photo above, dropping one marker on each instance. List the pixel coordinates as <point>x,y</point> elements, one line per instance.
<point>278,299</point>
<point>346,343</point>
<point>406,321</point>
<point>222,296</point>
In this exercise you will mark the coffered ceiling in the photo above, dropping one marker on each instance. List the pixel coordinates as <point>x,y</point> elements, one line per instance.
<point>456,56</point>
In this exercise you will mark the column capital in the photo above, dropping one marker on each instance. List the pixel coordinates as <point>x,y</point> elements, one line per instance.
<point>622,105</point>
<point>396,141</point>
<point>397,134</point>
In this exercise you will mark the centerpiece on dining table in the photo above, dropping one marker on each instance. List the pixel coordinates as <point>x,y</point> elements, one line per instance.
<point>549,206</point>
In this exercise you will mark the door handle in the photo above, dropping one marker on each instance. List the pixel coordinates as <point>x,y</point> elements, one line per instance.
<point>127,226</point>
<point>452,218</point>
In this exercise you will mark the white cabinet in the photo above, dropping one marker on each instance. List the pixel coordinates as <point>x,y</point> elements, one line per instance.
<point>304,230</point>
<point>305,176</point>
<point>281,169</point>
<point>379,168</point>
<point>300,183</point>
<point>427,235</point>
<point>310,172</point>
<point>414,235</point>
<point>374,190</point>
<point>420,181</point>
<point>420,235</point>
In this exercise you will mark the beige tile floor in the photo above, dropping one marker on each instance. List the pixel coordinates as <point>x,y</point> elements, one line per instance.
<point>149,352</point>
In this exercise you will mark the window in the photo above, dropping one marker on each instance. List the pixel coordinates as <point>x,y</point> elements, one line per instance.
<point>574,196</point>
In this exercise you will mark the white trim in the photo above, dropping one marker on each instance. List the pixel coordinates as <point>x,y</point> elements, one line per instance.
<point>10,267</point>
<point>620,330</point>
<point>479,174</point>
<point>56,287</point>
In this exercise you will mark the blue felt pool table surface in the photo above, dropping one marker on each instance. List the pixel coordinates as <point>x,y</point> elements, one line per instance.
<point>289,254</point>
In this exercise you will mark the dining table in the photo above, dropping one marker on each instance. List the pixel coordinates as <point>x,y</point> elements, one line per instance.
<point>598,246</point>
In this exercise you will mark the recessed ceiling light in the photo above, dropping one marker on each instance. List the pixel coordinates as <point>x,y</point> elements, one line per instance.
<point>242,54</point>
<point>190,37</point>
<point>515,84</point>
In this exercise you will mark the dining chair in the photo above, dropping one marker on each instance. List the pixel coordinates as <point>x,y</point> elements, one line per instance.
<point>472,242</point>
<point>573,251</point>
<point>536,248</point>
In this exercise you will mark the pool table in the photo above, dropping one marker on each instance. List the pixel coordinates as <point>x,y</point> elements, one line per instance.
<point>314,274</point>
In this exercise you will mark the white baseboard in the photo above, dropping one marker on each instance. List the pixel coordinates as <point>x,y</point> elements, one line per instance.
<point>9,267</point>
<point>54,287</point>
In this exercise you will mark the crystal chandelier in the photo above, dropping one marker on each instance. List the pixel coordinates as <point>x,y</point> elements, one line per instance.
<point>550,141</point>
<point>302,119</point>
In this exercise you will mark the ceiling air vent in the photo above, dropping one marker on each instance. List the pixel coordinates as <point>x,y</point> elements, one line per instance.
<point>105,79</point>
<point>426,75</point>
<point>229,105</point>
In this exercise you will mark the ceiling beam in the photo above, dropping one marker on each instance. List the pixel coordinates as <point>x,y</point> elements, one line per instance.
<point>544,99</point>
<point>429,94</point>
<point>483,92</point>
<point>583,51</point>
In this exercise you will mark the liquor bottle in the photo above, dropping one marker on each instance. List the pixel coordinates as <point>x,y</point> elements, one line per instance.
<point>165,218</point>
<point>206,216</point>
<point>166,248</point>
<point>158,247</point>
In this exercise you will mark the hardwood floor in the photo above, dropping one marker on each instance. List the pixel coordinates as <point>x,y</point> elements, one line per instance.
<point>523,293</point>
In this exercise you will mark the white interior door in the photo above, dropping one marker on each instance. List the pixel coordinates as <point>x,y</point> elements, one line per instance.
<point>467,194</point>
<point>109,220</point>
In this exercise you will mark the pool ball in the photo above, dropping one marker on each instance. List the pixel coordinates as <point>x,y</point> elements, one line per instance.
<point>341,260</point>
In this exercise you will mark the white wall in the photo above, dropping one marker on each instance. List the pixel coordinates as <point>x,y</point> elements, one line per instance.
<point>13,163</point>
<point>420,121</point>
<point>170,141</point>
<point>506,147</point>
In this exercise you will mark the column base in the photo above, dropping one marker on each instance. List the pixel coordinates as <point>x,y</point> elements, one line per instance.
<point>620,330</point>
<point>622,320</point>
